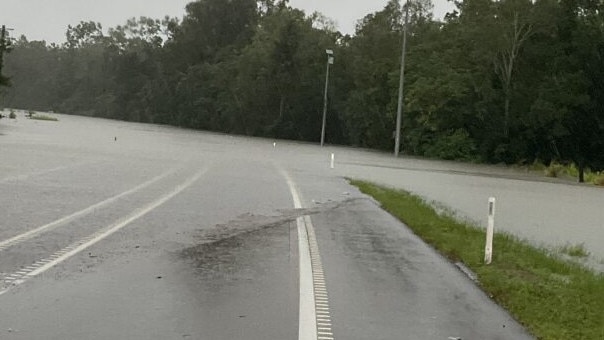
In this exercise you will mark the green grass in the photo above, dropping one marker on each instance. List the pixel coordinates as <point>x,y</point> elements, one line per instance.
<point>553,298</point>
<point>44,117</point>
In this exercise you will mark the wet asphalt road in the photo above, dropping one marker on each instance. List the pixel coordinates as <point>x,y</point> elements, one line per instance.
<point>173,234</point>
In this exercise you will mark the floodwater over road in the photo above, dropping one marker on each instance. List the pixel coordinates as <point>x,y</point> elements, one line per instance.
<point>114,230</point>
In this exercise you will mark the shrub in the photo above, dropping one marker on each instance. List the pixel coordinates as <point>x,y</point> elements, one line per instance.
<point>554,169</point>
<point>456,146</point>
<point>537,165</point>
<point>573,171</point>
<point>12,115</point>
<point>598,179</point>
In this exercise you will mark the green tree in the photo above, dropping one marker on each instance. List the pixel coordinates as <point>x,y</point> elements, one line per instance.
<point>495,81</point>
<point>5,47</point>
<point>375,54</point>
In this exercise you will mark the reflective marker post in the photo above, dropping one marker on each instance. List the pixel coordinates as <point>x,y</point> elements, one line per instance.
<point>488,249</point>
<point>333,161</point>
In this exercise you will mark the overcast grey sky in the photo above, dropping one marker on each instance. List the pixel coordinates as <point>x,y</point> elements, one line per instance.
<point>48,19</point>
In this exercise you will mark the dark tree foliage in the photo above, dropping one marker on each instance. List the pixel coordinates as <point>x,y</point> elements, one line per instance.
<point>5,47</point>
<point>496,81</point>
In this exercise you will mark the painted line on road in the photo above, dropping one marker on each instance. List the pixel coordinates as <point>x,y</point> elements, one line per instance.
<point>314,320</point>
<point>47,227</point>
<point>66,253</point>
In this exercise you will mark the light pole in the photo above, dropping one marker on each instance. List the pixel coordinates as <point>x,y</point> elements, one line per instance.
<point>330,60</point>
<point>399,111</point>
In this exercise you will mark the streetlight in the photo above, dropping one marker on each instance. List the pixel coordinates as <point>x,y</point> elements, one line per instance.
<point>399,111</point>
<point>330,60</point>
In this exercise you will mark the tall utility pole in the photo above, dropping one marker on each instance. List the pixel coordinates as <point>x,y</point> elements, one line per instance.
<point>330,60</point>
<point>399,111</point>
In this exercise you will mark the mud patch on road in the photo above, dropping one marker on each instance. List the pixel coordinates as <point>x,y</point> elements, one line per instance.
<point>239,253</point>
<point>250,222</point>
<point>219,248</point>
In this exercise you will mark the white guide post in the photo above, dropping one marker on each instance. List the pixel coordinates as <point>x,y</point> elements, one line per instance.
<point>488,249</point>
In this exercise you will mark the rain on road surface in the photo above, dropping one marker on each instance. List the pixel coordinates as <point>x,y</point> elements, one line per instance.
<point>114,230</point>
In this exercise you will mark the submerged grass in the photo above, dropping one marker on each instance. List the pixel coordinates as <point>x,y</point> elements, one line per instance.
<point>574,250</point>
<point>553,298</point>
<point>43,117</point>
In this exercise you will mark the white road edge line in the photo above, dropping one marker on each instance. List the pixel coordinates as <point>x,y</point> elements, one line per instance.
<point>110,230</point>
<point>28,235</point>
<point>310,282</point>
<point>307,324</point>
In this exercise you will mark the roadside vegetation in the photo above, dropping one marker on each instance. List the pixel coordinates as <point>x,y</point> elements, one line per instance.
<point>568,171</point>
<point>43,117</point>
<point>553,297</point>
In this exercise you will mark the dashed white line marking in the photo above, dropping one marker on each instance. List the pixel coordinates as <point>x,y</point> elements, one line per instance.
<point>28,235</point>
<point>312,279</point>
<point>43,265</point>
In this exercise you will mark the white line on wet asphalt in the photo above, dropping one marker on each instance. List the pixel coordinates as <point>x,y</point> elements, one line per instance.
<point>312,281</point>
<point>307,325</point>
<point>28,235</point>
<point>46,264</point>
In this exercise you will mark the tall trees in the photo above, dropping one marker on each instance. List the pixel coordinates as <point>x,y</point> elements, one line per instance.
<point>516,26</point>
<point>277,77</point>
<point>578,80</point>
<point>4,48</point>
<point>374,53</point>
<point>497,81</point>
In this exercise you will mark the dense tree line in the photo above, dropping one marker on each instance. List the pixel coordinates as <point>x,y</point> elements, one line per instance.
<point>495,81</point>
<point>5,47</point>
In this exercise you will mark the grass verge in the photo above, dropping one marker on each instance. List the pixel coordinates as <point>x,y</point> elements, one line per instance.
<point>553,298</point>
<point>43,117</point>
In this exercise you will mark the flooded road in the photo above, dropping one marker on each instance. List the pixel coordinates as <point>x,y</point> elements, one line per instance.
<point>547,212</point>
<point>115,230</point>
